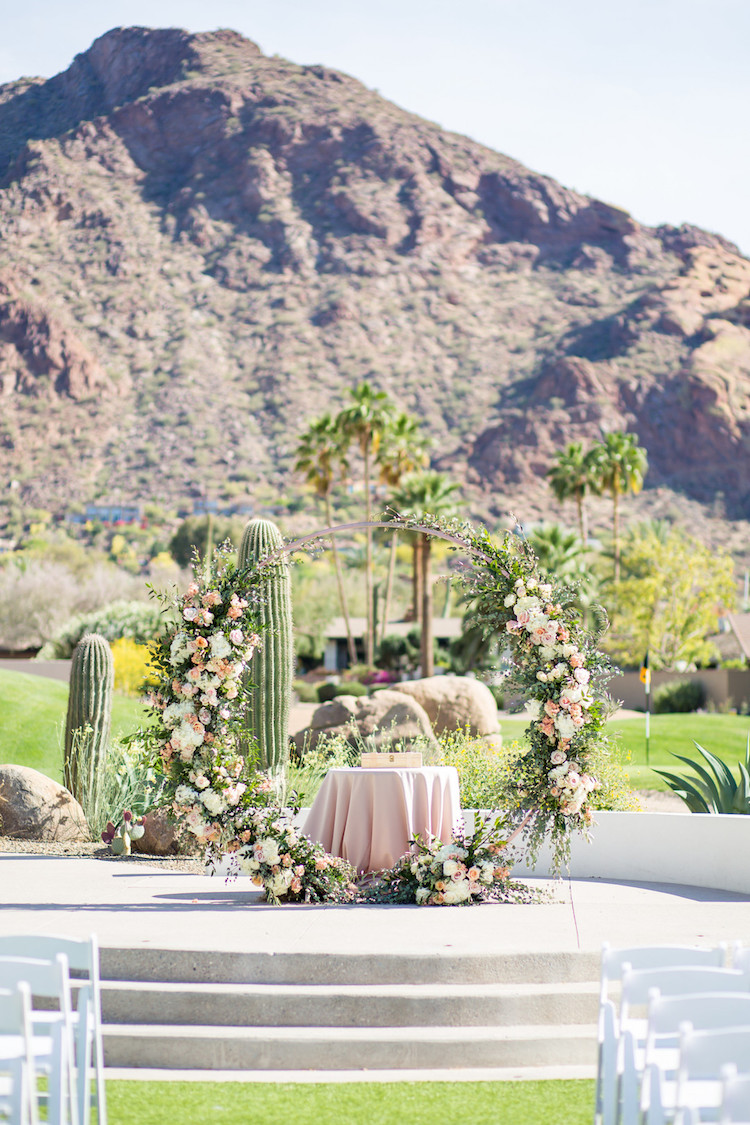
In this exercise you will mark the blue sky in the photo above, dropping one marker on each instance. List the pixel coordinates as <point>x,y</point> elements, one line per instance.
<point>643,103</point>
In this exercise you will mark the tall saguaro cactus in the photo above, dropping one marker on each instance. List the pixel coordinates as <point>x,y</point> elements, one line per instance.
<point>89,717</point>
<point>270,673</point>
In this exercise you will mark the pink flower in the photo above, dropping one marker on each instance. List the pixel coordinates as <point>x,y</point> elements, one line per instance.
<point>236,636</point>
<point>576,660</point>
<point>234,612</point>
<point>551,707</point>
<point>192,590</point>
<point>557,757</point>
<point>582,675</point>
<point>523,616</point>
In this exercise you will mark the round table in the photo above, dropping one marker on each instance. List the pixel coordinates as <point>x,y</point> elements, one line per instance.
<point>368,816</point>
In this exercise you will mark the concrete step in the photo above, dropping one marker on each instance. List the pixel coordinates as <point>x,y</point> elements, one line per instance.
<point>351,1048</point>
<point>465,1074</point>
<point>205,967</point>
<point>392,1005</point>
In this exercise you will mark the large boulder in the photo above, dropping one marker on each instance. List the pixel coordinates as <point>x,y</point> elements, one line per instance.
<point>454,702</point>
<point>160,836</point>
<point>34,807</point>
<point>379,719</point>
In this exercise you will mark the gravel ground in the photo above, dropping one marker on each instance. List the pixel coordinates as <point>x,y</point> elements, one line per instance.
<point>93,850</point>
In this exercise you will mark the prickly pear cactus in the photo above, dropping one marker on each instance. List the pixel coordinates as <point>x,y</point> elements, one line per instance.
<point>121,837</point>
<point>89,717</point>
<point>269,677</point>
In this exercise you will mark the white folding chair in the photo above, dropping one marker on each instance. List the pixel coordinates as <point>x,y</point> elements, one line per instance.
<point>666,1015</point>
<point>638,957</point>
<point>52,1030</point>
<point>735,1096</point>
<point>18,1098</point>
<point>695,1094</point>
<point>83,962</point>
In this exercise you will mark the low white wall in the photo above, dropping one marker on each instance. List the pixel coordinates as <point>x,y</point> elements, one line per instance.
<point>688,849</point>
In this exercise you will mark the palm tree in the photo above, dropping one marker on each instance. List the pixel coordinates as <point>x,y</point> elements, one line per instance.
<point>403,450</point>
<point>619,464</point>
<point>365,422</point>
<point>422,494</point>
<point>321,456</point>
<point>571,477</point>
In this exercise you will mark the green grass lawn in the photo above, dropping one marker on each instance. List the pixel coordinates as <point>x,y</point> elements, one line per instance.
<point>416,1103</point>
<point>723,735</point>
<point>32,719</point>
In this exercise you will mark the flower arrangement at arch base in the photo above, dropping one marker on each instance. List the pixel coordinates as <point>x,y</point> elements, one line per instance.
<point>468,869</point>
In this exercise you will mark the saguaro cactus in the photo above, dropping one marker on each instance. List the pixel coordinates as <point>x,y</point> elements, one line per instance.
<point>89,717</point>
<point>269,676</point>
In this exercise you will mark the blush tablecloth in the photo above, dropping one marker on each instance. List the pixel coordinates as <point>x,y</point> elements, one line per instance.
<point>368,816</point>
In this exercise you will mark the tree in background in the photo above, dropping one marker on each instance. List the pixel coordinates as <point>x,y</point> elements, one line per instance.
<point>618,465</point>
<point>669,598</point>
<point>566,559</point>
<point>403,450</point>
<point>322,457</point>
<point>366,421</point>
<point>420,494</point>
<point>573,476</point>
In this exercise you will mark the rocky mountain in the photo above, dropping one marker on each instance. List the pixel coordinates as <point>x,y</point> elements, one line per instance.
<point>202,247</point>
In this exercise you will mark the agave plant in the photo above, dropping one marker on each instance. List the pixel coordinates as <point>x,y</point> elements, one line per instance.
<point>714,789</point>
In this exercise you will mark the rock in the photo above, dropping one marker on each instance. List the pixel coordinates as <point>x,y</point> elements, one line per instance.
<point>159,837</point>
<point>382,718</point>
<point>34,807</point>
<point>454,702</point>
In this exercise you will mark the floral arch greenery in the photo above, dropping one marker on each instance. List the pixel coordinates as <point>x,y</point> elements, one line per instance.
<point>198,704</point>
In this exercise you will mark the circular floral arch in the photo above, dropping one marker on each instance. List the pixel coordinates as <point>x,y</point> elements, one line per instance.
<point>556,666</point>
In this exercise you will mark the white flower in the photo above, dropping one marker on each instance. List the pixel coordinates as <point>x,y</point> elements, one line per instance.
<point>190,613</point>
<point>202,782</point>
<point>558,773</point>
<point>178,649</point>
<point>548,652</point>
<point>196,823</point>
<point>184,795</point>
<point>509,601</point>
<point>545,591</point>
<point>450,867</point>
<point>557,757</point>
<point>487,872</point>
<point>267,851</point>
<point>542,677</point>
<point>568,650</point>
<point>214,802</point>
<point>279,884</point>
<point>248,865</point>
<point>423,893</point>
<point>533,709</point>
<point>582,675</point>
<point>220,646</point>
<point>566,728</point>
<point>457,892</point>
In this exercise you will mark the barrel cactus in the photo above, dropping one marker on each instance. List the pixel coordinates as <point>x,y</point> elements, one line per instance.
<point>269,676</point>
<point>89,718</point>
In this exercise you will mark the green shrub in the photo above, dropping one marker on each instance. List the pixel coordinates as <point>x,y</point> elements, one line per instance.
<point>679,695</point>
<point>306,693</point>
<point>140,621</point>
<point>326,692</point>
<point>351,688</point>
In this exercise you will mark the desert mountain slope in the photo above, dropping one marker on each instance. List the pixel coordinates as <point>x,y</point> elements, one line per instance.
<point>202,247</point>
